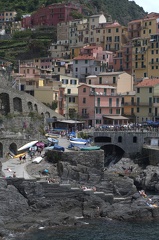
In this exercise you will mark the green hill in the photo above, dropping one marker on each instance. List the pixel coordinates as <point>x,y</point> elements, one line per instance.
<point>120,10</point>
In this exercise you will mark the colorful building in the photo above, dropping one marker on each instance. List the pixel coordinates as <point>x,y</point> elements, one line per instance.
<point>99,105</point>
<point>147,100</point>
<point>53,14</point>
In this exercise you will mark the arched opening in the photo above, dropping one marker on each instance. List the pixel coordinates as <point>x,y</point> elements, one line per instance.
<point>13,148</point>
<point>47,115</point>
<point>119,139</point>
<point>1,150</point>
<point>42,114</point>
<point>54,119</point>
<point>135,139</point>
<point>30,106</point>
<point>17,104</point>
<point>112,154</point>
<point>36,107</point>
<point>4,104</point>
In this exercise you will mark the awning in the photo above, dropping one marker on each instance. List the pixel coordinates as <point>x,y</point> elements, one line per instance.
<point>116,117</point>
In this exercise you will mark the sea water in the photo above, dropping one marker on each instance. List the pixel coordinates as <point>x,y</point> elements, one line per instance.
<point>98,230</point>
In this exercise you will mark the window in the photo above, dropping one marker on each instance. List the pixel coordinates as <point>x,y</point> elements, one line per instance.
<point>96,69</point>
<point>28,71</point>
<point>117,102</point>
<point>118,111</point>
<point>117,29</point>
<point>109,30</point>
<point>89,82</point>
<point>114,80</point>
<point>84,89</point>
<point>68,91</point>
<point>72,99</point>
<point>119,139</point>
<point>134,139</point>
<point>138,90</point>
<point>152,52</point>
<point>100,80</point>
<point>150,110</point>
<point>110,102</point>
<point>150,90</point>
<point>76,69</point>
<point>76,61</point>
<point>98,102</point>
<point>84,111</point>
<point>149,30</point>
<point>138,110</point>
<point>86,61</point>
<point>110,111</point>
<point>84,100</point>
<point>98,110</point>
<point>132,111</point>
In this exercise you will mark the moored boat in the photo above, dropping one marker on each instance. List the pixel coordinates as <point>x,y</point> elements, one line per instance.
<point>90,148</point>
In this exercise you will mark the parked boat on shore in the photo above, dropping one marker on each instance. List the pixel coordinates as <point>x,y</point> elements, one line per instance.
<point>90,148</point>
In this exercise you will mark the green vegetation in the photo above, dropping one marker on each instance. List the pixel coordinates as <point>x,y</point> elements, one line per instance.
<point>123,11</point>
<point>52,106</point>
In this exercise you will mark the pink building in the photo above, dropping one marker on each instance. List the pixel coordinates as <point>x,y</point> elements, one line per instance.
<point>99,105</point>
<point>91,61</point>
<point>53,14</point>
<point>26,21</point>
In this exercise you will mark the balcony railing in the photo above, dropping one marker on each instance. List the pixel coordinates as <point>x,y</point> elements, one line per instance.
<point>85,115</point>
<point>128,104</point>
<point>144,104</point>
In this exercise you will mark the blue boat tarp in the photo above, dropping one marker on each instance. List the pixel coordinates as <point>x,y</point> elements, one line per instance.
<point>59,148</point>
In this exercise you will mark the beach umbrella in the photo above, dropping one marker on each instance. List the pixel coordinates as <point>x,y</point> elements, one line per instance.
<point>40,144</point>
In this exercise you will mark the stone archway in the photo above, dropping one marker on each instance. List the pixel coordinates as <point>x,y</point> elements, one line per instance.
<point>47,115</point>
<point>30,106</point>
<point>112,153</point>
<point>17,104</point>
<point>13,148</point>
<point>4,103</point>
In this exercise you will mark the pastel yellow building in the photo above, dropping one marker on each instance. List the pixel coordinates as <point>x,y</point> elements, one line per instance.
<point>145,47</point>
<point>129,105</point>
<point>147,100</point>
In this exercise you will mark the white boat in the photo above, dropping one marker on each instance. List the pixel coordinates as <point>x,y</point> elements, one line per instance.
<point>27,145</point>
<point>78,142</point>
<point>37,160</point>
<point>53,140</point>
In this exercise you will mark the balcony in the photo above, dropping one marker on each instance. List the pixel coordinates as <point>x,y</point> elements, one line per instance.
<point>129,104</point>
<point>154,62</point>
<point>146,104</point>
<point>85,115</point>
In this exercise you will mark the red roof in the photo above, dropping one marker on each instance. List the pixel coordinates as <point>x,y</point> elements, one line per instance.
<point>148,82</point>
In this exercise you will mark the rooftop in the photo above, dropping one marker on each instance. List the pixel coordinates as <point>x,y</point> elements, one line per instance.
<point>148,82</point>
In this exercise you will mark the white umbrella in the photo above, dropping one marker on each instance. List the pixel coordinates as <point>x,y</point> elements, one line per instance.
<point>27,145</point>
